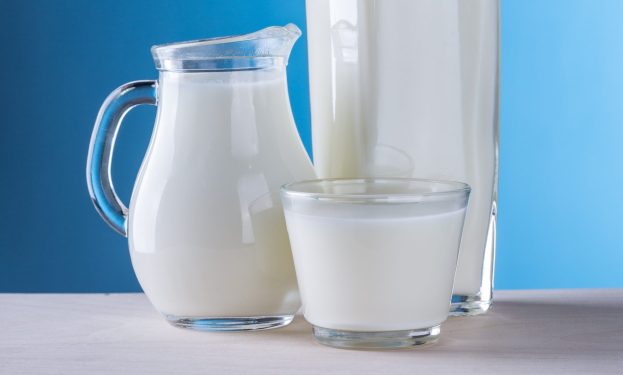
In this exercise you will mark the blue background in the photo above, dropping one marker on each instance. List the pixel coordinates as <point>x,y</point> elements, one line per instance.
<point>561,132</point>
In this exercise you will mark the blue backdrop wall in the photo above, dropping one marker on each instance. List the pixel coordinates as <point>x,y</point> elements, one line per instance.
<point>561,132</point>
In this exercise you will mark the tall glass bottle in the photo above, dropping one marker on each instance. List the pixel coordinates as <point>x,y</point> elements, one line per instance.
<point>410,88</point>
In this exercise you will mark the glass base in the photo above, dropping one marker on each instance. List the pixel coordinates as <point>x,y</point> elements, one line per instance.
<point>376,340</point>
<point>468,305</point>
<point>224,324</point>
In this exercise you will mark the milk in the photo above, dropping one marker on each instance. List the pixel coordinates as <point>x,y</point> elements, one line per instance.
<point>408,88</point>
<point>368,274</point>
<point>207,239</point>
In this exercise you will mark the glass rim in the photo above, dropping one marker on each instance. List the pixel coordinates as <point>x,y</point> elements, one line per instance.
<point>262,49</point>
<point>453,188</point>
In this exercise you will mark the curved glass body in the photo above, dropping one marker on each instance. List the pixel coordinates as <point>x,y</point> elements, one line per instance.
<point>206,253</point>
<point>409,88</point>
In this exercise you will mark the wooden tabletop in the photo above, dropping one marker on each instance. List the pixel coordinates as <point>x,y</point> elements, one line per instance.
<point>526,332</point>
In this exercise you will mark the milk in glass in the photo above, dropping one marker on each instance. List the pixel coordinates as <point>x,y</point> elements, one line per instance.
<point>367,274</point>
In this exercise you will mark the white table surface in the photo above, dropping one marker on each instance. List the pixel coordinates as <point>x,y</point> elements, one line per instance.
<point>526,332</point>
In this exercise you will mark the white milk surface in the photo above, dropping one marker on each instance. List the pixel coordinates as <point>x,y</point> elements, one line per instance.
<point>367,274</point>
<point>200,246</point>
<point>408,88</point>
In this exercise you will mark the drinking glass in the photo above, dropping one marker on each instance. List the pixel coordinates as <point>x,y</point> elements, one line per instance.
<point>375,258</point>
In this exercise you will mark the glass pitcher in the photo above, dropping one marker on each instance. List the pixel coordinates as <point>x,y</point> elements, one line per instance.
<point>205,226</point>
<point>409,88</point>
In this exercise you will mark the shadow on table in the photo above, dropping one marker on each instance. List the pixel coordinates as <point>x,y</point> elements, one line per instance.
<point>528,329</point>
<point>517,330</point>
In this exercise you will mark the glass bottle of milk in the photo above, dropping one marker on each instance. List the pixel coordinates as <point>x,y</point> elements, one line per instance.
<point>409,88</point>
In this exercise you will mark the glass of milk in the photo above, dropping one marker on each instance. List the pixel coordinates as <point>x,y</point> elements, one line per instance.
<point>375,258</point>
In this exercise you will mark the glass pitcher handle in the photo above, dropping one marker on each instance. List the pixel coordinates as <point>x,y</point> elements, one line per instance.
<point>99,159</point>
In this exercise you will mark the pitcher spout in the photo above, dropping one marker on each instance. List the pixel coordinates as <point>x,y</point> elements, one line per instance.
<point>261,49</point>
<point>273,41</point>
